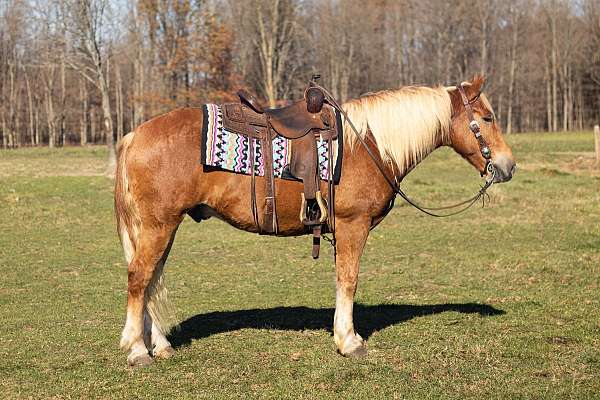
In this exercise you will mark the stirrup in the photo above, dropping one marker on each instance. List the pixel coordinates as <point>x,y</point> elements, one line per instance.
<point>322,210</point>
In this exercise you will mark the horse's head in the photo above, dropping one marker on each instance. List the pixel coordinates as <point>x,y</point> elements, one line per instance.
<point>472,105</point>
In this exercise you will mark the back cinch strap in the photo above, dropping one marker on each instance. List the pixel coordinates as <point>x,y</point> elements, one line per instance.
<point>316,241</point>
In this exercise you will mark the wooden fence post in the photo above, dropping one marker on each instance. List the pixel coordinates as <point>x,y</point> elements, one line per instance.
<point>597,135</point>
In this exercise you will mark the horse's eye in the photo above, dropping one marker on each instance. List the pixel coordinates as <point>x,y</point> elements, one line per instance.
<point>488,118</point>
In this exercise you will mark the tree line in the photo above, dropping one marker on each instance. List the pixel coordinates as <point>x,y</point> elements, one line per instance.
<point>89,71</point>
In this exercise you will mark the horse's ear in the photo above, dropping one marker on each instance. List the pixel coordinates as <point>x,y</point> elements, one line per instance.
<point>473,88</point>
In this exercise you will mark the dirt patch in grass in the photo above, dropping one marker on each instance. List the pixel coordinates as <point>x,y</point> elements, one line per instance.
<point>584,163</point>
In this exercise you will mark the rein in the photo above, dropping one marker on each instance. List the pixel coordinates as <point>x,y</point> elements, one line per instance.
<point>483,148</point>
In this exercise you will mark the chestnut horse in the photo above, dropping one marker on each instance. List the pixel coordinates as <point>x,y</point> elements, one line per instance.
<point>159,180</point>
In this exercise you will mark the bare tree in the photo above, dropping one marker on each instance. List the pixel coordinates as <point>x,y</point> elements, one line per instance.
<point>83,124</point>
<point>136,34</point>
<point>12,34</point>
<point>276,29</point>
<point>515,16</point>
<point>30,108</point>
<point>85,20</point>
<point>119,101</point>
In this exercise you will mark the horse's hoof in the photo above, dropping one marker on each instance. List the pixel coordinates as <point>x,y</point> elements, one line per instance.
<point>142,360</point>
<point>164,353</point>
<point>357,352</point>
<point>354,347</point>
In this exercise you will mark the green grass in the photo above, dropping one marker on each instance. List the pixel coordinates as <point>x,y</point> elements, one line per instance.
<point>501,302</point>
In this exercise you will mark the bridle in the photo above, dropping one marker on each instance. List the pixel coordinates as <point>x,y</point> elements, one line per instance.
<point>394,184</point>
<point>486,153</point>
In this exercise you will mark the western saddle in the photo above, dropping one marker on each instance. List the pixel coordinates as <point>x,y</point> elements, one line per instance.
<point>303,122</point>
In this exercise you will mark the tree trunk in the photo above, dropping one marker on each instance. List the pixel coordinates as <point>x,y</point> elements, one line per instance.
<point>63,101</point>
<point>484,17</point>
<point>274,47</point>
<point>37,125</point>
<point>548,96</point>
<point>108,126</point>
<point>565,78</point>
<point>571,100</point>
<point>511,77</point>
<point>93,124</point>
<point>267,53</point>
<point>50,118</point>
<point>4,141</point>
<point>12,103</point>
<point>83,124</point>
<point>119,101</point>
<point>138,103</point>
<point>554,70</point>
<point>597,137</point>
<point>17,128</point>
<point>578,113</point>
<point>30,109</point>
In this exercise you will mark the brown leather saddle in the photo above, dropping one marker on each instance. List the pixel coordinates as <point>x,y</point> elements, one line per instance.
<point>303,122</point>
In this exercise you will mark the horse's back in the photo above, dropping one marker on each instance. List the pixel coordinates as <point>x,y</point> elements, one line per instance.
<point>174,124</point>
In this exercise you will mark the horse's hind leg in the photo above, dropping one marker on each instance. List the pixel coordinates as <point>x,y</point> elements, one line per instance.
<point>351,238</point>
<point>150,253</point>
<point>158,313</point>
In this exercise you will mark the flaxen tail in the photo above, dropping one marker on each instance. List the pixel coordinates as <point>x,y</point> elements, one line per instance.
<point>128,227</point>
<point>128,219</point>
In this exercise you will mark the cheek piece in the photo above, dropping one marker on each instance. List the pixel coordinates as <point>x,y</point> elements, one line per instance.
<point>484,149</point>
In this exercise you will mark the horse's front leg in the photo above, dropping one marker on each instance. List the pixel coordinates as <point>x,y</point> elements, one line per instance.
<point>351,238</point>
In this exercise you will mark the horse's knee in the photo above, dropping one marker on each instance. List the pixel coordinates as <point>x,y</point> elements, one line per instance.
<point>137,280</point>
<point>347,288</point>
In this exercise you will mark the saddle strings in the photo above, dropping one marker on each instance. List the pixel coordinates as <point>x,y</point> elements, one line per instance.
<point>481,193</point>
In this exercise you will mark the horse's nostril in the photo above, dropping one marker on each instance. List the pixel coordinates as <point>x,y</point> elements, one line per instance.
<point>510,167</point>
<point>505,169</point>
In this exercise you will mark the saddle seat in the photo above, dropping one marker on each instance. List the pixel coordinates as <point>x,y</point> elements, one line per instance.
<point>304,122</point>
<point>295,120</point>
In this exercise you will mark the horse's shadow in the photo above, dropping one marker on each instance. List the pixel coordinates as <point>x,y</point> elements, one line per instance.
<point>369,319</point>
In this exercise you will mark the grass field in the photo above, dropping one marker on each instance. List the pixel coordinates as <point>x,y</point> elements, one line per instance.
<point>501,302</point>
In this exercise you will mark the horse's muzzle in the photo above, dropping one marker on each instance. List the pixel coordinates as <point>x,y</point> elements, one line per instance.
<point>505,168</point>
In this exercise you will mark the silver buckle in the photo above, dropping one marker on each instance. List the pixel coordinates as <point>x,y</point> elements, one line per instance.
<point>474,126</point>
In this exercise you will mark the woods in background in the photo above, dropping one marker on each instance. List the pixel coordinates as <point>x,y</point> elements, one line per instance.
<point>88,71</point>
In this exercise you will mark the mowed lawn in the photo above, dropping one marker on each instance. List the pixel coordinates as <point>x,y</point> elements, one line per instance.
<point>500,302</point>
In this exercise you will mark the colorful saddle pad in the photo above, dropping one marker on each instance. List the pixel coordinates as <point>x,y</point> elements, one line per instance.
<point>230,151</point>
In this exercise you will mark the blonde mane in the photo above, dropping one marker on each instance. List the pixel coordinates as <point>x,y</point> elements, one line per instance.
<point>407,123</point>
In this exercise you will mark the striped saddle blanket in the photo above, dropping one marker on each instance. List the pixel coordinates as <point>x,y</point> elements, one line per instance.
<point>230,151</point>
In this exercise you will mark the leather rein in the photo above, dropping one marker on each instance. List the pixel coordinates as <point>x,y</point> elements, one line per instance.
<point>393,183</point>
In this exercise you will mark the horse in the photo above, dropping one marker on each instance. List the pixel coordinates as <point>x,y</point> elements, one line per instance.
<point>159,180</point>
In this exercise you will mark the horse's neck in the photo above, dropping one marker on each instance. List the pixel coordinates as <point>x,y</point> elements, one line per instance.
<point>407,124</point>
<point>413,162</point>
